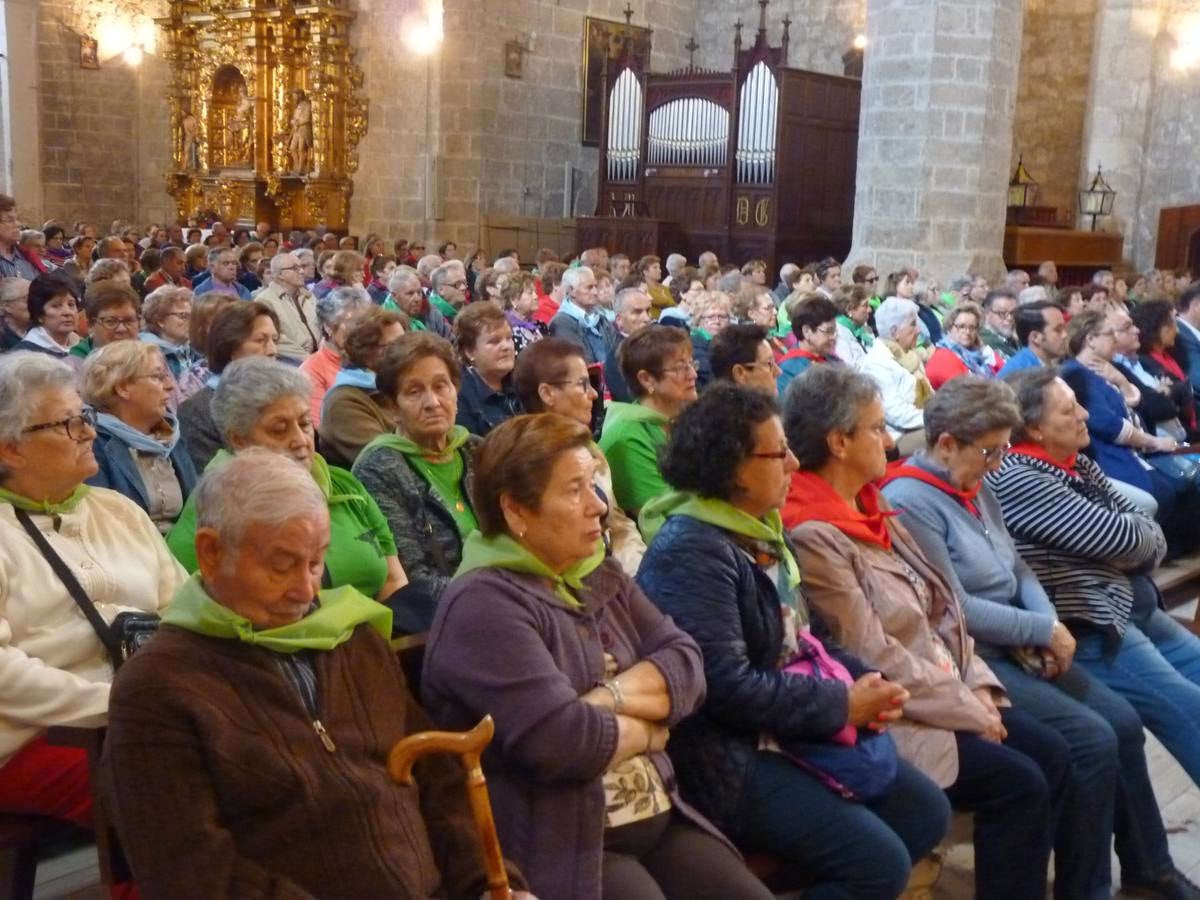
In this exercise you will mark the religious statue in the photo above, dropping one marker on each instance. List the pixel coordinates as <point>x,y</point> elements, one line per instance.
<point>300,147</point>
<point>191,140</point>
<point>240,148</point>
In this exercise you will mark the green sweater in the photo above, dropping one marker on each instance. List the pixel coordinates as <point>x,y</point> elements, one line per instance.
<point>360,540</point>
<point>631,439</point>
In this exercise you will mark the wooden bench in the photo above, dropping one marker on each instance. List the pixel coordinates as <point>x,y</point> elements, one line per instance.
<point>1179,582</point>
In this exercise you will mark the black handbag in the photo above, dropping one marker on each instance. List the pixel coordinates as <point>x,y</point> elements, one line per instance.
<point>125,634</point>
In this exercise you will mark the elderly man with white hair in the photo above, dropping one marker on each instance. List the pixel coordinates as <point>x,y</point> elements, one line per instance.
<point>507,265</point>
<point>254,662</point>
<point>898,370</point>
<point>675,264</point>
<point>405,295</point>
<point>448,288</point>
<point>14,312</point>
<point>579,319</point>
<point>296,307</point>
<point>789,274</point>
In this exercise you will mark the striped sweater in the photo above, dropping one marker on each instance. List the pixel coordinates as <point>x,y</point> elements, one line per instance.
<point>1079,537</point>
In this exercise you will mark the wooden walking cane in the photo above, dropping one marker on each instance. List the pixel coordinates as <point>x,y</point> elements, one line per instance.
<point>467,745</point>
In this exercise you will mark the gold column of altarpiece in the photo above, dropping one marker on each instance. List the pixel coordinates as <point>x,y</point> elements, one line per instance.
<point>266,110</point>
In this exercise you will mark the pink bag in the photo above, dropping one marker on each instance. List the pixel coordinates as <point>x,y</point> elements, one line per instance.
<point>812,660</point>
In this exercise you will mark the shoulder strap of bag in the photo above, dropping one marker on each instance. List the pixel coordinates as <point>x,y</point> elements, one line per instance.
<point>74,588</point>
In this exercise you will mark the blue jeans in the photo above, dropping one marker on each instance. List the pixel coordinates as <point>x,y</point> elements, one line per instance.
<point>854,851</point>
<point>1015,791</point>
<point>1108,763</point>
<point>1156,667</point>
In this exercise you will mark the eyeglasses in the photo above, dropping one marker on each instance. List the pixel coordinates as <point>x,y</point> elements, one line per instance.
<point>181,316</point>
<point>160,377</point>
<point>1008,314</point>
<point>991,454</point>
<point>112,323</point>
<point>715,317</point>
<point>288,268</point>
<point>584,384</point>
<point>827,330</point>
<point>74,425</point>
<point>970,329</point>
<point>681,369</point>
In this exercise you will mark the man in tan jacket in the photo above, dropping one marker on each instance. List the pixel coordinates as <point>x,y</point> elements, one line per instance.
<point>296,307</point>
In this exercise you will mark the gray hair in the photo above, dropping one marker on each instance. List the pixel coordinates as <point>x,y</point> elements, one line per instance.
<point>22,374</point>
<point>730,283</point>
<point>507,265</point>
<point>349,298</point>
<point>1099,275</point>
<point>894,313</point>
<point>787,272</point>
<point>32,236</point>
<point>160,300</point>
<point>822,400</point>
<point>676,263</point>
<point>304,254</point>
<point>1032,295</point>
<point>279,262</point>
<point>12,289</point>
<point>105,269</point>
<point>256,487</point>
<point>572,278</point>
<point>402,275</point>
<point>1029,388</point>
<point>112,366</point>
<point>968,407</point>
<point>248,386</point>
<point>427,263</point>
<point>961,283</point>
<point>443,273</point>
<point>624,297</point>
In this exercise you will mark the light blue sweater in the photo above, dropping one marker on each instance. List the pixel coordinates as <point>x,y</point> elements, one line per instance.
<point>1004,604</point>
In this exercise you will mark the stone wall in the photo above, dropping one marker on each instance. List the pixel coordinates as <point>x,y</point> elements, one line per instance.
<point>820,32</point>
<point>1052,93</point>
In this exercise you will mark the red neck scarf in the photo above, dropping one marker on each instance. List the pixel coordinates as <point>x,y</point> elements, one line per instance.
<point>966,498</point>
<point>812,499</point>
<point>1168,362</point>
<point>801,353</point>
<point>1037,452</point>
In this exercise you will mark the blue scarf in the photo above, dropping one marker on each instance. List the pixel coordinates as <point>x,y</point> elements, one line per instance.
<point>589,320</point>
<point>139,440</point>
<point>973,358</point>
<point>359,378</point>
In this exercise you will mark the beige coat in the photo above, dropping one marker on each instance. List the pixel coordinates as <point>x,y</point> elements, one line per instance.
<point>299,327</point>
<point>863,593</point>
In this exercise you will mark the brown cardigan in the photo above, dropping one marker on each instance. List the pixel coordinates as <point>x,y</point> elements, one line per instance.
<point>863,594</point>
<point>352,417</point>
<point>221,788</point>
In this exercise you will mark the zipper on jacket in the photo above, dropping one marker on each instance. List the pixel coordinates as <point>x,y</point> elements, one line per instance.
<point>324,736</point>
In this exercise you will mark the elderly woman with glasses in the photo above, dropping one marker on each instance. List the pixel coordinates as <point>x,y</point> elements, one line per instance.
<point>721,566</point>
<point>887,603</point>
<point>54,668</point>
<point>167,317</point>
<point>896,366</point>
<point>552,377</point>
<point>960,351</point>
<point>814,324</point>
<point>854,335</point>
<point>262,403</point>
<point>1094,551</point>
<point>656,361</point>
<point>335,311</point>
<point>137,443</point>
<point>944,502</point>
<point>712,311</point>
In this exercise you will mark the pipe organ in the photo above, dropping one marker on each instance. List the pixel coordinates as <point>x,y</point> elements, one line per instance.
<point>758,162</point>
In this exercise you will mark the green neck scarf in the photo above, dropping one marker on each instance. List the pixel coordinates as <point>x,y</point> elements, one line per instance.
<point>723,515</point>
<point>861,332</point>
<point>458,438</point>
<point>341,610</point>
<point>502,552</point>
<point>702,332</point>
<point>319,471</point>
<point>44,507</point>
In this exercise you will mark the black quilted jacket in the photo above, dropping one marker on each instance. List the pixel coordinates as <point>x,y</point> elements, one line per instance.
<point>695,573</point>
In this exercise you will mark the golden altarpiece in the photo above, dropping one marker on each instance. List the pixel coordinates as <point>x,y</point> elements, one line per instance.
<point>266,111</point>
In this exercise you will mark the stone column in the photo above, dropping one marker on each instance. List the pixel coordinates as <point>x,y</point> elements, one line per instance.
<point>939,90</point>
<point>1129,46</point>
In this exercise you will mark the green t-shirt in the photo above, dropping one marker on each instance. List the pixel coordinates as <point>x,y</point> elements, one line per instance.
<point>360,540</point>
<point>446,479</point>
<point>632,436</point>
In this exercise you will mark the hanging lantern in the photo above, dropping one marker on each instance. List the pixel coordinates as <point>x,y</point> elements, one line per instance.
<point>1022,190</point>
<point>1097,199</point>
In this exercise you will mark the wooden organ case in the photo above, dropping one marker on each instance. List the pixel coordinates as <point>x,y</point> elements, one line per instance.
<point>757,163</point>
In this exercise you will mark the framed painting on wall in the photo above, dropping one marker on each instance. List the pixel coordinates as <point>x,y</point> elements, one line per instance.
<point>601,39</point>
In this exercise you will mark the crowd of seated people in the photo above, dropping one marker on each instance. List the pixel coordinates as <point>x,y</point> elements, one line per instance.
<point>734,569</point>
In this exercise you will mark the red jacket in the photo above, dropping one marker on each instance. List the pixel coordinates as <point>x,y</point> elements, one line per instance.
<point>547,310</point>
